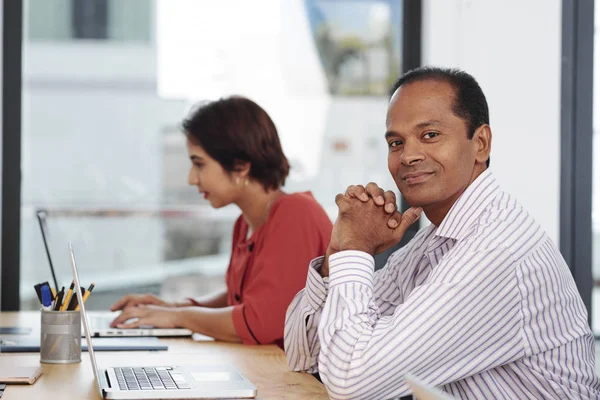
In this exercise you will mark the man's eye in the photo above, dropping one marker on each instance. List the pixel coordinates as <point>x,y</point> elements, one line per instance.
<point>430,135</point>
<point>395,143</point>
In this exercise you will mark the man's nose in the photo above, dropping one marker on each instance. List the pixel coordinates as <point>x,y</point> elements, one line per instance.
<point>412,153</point>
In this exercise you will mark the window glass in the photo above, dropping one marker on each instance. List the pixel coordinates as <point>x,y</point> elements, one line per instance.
<point>102,152</point>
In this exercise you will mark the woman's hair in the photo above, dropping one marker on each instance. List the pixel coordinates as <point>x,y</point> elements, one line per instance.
<point>235,130</point>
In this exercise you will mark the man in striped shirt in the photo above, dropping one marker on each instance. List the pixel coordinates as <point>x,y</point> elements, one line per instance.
<point>479,303</point>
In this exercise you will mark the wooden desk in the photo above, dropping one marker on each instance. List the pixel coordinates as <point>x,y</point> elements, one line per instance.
<point>265,366</point>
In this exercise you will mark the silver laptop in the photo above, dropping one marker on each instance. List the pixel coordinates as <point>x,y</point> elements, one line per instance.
<point>162,382</point>
<point>423,391</point>
<point>100,327</point>
<point>100,324</point>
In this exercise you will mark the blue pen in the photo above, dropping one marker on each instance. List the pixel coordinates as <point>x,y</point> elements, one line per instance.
<point>46,298</point>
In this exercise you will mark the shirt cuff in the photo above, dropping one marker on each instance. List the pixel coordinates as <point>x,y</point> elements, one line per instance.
<point>316,285</point>
<point>241,326</point>
<point>351,266</point>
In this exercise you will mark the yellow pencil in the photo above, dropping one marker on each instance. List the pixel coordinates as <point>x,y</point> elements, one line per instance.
<point>67,298</point>
<point>53,292</point>
<point>86,295</point>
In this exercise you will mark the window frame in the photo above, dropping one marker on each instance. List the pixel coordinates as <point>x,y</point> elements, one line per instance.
<point>577,90</point>
<point>12,38</point>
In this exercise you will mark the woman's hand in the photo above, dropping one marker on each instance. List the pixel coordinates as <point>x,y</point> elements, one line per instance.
<point>147,315</point>
<point>132,300</point>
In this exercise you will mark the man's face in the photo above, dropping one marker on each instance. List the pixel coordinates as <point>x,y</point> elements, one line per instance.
<point>430,155</point>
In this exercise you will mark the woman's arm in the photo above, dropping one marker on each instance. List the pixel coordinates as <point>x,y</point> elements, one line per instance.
<point>212,300</point>
<point>213,322</point>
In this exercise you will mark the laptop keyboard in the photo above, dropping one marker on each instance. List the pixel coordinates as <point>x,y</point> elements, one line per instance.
<point>150,378</point>
<point>99,322</point>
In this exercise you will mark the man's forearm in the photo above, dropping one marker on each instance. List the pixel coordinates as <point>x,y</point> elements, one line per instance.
<point>213,322</point>
<point>302,320</point>
<point>300,334</point>
<point>324,268</point>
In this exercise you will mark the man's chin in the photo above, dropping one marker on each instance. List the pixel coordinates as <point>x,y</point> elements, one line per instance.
<point>414,200</point>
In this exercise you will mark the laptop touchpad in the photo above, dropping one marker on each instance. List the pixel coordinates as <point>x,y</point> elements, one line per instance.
<point>216,376</point>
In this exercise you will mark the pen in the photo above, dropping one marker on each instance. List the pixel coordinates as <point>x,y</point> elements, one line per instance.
<point>86,295</point>
<point>46,298</point>
<point>67,300</point>
<point>73,303</point>
<point>38,291</point>
<point>59,297</point>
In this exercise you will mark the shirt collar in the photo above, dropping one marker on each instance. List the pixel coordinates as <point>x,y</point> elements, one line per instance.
<point>469,206</point>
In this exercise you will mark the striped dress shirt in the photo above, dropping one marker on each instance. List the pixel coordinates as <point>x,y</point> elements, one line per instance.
<point>483,306</point>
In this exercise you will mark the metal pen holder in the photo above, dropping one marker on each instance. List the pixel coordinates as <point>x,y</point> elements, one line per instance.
<point>60,338</point>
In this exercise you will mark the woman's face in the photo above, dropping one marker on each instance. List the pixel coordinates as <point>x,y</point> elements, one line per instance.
<point>213,182</point>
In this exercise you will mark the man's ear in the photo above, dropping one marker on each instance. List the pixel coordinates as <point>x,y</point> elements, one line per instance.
<point>482,143</point>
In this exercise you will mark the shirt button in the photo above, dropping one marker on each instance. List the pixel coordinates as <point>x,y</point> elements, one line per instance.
<point>236,297</point>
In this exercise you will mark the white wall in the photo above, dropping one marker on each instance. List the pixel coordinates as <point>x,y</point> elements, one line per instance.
<point>513,48</point>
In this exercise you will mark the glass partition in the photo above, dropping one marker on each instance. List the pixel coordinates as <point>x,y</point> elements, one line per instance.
<point>106,84</point>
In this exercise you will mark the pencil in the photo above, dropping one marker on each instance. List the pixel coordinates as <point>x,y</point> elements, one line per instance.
<point>86,295</point>
<point>67,299</point>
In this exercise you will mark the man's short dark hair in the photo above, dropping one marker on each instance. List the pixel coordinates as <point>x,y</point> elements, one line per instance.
<point>469,101</point>
<point>234,130</point>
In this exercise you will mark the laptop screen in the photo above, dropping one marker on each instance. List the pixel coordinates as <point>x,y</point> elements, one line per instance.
<point>41,216</point>
<point>84,318</point>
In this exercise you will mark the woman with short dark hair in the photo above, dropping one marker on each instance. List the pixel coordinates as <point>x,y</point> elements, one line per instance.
<point>237,159</point>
